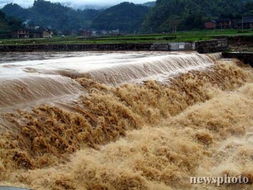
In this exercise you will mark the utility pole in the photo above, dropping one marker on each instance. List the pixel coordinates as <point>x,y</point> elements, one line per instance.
<point>242,24</point>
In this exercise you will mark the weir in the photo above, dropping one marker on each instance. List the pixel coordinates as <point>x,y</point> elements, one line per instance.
<point>54,78</point>
<point>12,188</point>
<point>125,134</point>
<point>157,69</point>
<point>27,89</point>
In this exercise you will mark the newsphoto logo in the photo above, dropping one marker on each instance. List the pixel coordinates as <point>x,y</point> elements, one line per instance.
<point>218,181</point>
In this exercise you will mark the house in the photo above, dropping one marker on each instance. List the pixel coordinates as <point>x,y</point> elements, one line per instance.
<point>94,33</point>
<point>22,33</point>
<point>245,23</point>
<point>86,33</point>
<point>210,24</point>
<point>248,22</point>
<point>114,32</point>
<point>224,23</point>
<point>104,32</point>
<point>47,33</point>
<point>33,33</point>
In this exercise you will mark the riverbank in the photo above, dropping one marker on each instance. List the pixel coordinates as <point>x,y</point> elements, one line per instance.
<point>185,41</point>
<point>245,57</point>
<point>187,36</point>
<point>207,46</point>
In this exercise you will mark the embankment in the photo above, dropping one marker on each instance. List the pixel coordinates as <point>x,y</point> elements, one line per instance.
<point>245,57</point>
<point>210,46</point>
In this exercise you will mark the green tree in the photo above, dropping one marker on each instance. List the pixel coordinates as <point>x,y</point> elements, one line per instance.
<point>192,13</point>
<point>126,17</point>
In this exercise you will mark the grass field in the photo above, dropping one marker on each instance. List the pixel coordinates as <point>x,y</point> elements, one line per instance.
<point>188,36</point>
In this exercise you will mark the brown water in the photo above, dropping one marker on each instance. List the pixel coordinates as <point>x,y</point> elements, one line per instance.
<point>38,77</point>
<point>103,126</point>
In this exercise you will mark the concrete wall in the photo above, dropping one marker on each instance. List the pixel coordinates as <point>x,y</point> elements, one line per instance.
<point>181,46</point>
<point>244,57</point>
<point>240,40</point>
<point>202,47</point>
<point>100,47</point>
<point>160,47</point>
<point>211,46</point>
<point>75,47</point>
<point>173,46</point>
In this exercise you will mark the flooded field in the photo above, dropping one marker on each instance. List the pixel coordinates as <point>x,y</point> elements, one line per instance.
<point>125,120</point>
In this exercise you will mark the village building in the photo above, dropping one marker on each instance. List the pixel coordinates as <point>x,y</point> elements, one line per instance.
<point>22,33</point>
<point>242,23</point>
<point>224,24</point>
<point>85,33</point>
<point>245,22</point>
<point>33,33</point>
<point>210,24</point>
<point>114,32</point>
<point>94,33</point>
<point>248,22</point>
<point>47,34</point>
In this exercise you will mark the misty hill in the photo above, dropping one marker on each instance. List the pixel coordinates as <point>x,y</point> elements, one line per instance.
<point>52,15</point>
<point>149,4</point>
<point>8,25</point>
<point>150,17</point>
<point>167,15</point>
<point>126,17</point>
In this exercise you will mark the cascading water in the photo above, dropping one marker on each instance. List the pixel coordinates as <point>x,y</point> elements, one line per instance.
<point>30,81</point>
<point>21,90</point>
<point>118,124</point>
<point>154,68</point>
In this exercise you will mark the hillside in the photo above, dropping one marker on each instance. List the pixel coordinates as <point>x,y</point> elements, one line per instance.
<point>52,15</point>
<point>126,17</point>
<point>150,17</point>
<point>149,4</point>
<point>8,25</point>
<point>169,15</point>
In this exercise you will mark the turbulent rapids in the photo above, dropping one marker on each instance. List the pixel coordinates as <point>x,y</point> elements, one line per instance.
<point>23,82</point>
<point>136,120</point>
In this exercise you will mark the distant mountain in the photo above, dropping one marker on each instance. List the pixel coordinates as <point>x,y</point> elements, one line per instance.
<point>154,16</point>
<point>169,15</point>
<point>52,15</point>
<point>15,10</point>
<point>126,17</point>
<point>83,6</point>
<point>149,4</point>
<point>8,25</point>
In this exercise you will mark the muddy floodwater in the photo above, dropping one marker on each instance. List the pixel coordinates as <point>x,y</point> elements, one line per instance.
<point>124,120</point>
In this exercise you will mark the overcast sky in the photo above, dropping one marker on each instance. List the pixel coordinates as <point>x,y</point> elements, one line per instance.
<point>75,3</point>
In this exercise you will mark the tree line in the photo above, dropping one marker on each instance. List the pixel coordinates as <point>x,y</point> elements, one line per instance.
<point>171,15</point>
<point>162,16</point>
